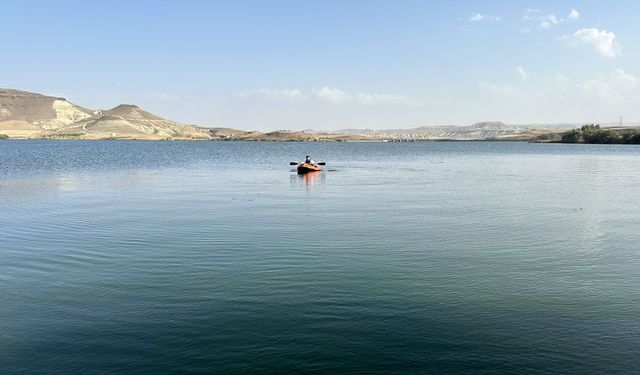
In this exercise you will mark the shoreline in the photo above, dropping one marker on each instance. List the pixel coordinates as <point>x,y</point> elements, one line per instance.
<point>265,140</point>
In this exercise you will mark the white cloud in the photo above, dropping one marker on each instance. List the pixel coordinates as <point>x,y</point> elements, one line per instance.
<point>603,41</point>
<point>574,14</point>
<point>477,17</point>
<point>616,88</point>
<point>332,95</point>
<point>547,21</point>
<point>337,96</point>
<point>293,95</point>
<point>561,78</point>
<point>531,14</point>
<point>329,94</point>
<point>598,90</point>
<point>623,81</point>
<point>161,95</point>
<point>503,90</point>
<point>566,96</point>
<point>522,73</point>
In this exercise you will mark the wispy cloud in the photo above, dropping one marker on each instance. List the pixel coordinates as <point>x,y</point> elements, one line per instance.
<point>618,87</point>
<point>549,20</point>
<point>574,14</point>
<point>331,95</point>
<point>524,76</point>
<point>498,89</point>
<point>604,42</point>
<point>478,17</point>
<point>161,95</point>
<point>561,78</point>
<point>337,96</point>
<point>292,95</point>
<point>531,14</point>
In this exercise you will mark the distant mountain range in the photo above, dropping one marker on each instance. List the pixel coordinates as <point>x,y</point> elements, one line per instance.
<point>29,115</point>
<point>478,131</point>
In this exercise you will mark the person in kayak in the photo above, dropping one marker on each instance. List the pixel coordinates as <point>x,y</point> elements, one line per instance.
<point>308,160</point>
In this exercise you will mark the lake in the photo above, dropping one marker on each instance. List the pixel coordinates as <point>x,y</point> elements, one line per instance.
<point>216,257</point>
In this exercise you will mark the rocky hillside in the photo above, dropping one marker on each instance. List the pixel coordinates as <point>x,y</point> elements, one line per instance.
<point>478,131</point>
<point>25,114</point>
<point>29,115</point>
<point>226,134</point>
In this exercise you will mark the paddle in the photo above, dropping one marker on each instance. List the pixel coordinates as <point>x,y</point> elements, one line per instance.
<point>296,163</point>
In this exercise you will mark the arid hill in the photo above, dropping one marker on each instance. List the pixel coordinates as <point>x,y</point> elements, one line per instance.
<point>29,115</point>
<point>25,114</point>
<point>281,136</point>
<point>478,131</point>
<point>129,121</point>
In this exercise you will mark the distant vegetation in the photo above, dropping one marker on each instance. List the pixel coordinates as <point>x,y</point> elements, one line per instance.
<point>592,133</point>
<point>546,138</point>
<point>4,136</point>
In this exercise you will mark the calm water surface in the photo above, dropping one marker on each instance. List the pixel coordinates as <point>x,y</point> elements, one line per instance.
<point>214,257</point>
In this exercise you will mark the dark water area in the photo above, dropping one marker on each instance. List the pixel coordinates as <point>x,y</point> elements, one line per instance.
<point>216,257</point>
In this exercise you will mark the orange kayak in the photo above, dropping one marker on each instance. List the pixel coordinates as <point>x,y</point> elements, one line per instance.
<point>306,167</point>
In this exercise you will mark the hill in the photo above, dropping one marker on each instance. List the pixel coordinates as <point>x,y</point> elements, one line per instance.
<point>281,136</point>
<point>25,114</point>
<point>478,131</point>
<point>29,115</point>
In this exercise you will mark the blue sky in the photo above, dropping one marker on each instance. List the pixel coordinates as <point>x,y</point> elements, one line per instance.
<point>269,65</point>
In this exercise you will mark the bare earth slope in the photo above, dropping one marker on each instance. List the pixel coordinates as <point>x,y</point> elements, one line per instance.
<point>29,115</point>
<point>281,136</point>
<point>129,121</point>
<point>478,131</point>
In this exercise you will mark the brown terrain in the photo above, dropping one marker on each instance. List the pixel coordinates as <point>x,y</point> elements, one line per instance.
<point>28,115</point>
<point>284,136</point>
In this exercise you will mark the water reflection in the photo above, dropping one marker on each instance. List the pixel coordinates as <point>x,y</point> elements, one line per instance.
<point>308,179</point>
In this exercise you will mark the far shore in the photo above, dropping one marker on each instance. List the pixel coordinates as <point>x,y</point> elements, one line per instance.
<point>590,134</point>
<point>259,140</point>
